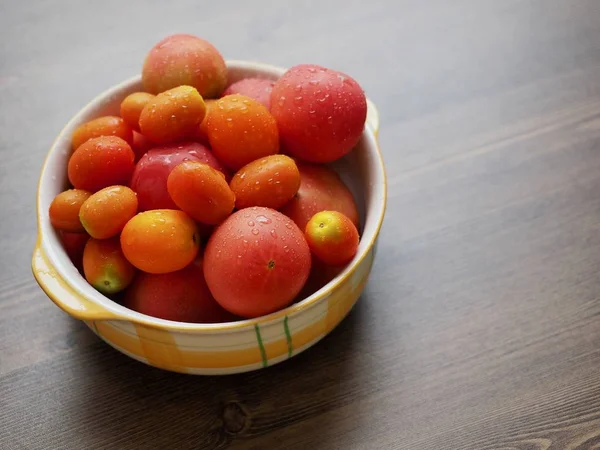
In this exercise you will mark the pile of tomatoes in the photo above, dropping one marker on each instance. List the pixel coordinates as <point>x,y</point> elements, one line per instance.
<point>205,202</point>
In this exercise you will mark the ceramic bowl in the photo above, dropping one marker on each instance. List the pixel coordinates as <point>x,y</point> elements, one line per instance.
<point>209,348</point>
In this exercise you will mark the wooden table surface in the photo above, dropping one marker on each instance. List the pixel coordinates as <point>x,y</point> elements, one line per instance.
<point>480,325</point>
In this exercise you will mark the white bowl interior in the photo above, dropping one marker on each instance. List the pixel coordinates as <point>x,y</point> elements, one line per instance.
<point>362,170</point>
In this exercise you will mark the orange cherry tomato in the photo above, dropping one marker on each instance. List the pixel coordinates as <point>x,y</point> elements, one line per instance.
<point>201,191</point>
<point>64,210</point>
<point>101,162</point>
<point>105,266</point>
<point>132,106</point>
<point>240,130</point>
<point>160,240</point>
<point>106,212</point>
<point>271,181</point>
<point>173,115</point>
<point>102,126</point>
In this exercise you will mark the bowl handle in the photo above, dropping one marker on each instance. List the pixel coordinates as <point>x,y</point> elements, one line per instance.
<point>373,117</point>
<point>65,297</point>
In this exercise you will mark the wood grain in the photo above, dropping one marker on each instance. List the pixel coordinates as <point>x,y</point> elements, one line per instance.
<point>480,326</point>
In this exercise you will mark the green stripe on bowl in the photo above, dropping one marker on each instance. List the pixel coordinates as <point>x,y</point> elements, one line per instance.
<point>263,353</point>
<point>288,336</point>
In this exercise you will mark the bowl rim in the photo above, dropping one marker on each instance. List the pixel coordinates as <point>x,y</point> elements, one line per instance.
<point>121,313</point>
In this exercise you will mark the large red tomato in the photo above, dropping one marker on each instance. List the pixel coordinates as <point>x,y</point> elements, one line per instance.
<point>320,113</point>
<point>256,262</point>
<point>181,296</point>
<point>149,178</point>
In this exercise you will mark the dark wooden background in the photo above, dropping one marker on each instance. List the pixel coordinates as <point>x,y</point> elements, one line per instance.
<point>480,326</point>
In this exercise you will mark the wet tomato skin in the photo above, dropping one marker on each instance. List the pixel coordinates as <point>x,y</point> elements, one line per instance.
<point>101,162</point>
<point>102,126</point>
<point>150,176</point>
<point>172,115</point>
<point>64,210</point>
<point>105,267</point>
<point>132,106</point>
<point>160,241</point>
<point>201,191</point>
<point>106,212</point>
<point>271,181</point>
<point>332,237</point>
<point>256,262</point>
<point>240,130</point>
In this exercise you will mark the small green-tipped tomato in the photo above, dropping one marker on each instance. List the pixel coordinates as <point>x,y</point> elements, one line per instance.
<point>102,126</point>
<point>173,115</point>
<point>64,210</point>
<point>101,162</point>
<point>201,192</point>
<point>332,237</point>
<point>271,181</point>
<point>132,106</point>
<point>105,267</point>
<point>160,240</point>
<point>106,212</point>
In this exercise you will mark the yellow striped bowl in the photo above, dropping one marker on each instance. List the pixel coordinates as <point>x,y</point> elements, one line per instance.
<point>209,348</point>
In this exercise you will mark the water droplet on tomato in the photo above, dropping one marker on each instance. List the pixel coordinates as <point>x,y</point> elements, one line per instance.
<point>263,219</point>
